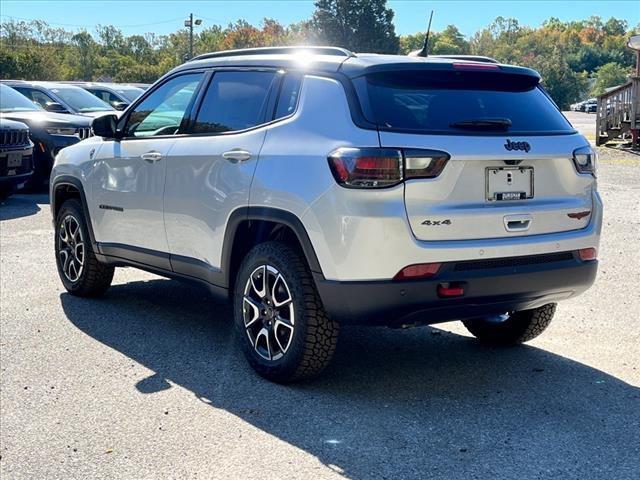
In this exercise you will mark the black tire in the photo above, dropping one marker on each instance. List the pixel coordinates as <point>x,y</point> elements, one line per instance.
<point>520,327</point>
<point>314,335</point>
<point>94,277</point>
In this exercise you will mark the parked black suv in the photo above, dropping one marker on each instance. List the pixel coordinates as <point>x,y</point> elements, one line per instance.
<point>50,132</point>
<point>16,156</point>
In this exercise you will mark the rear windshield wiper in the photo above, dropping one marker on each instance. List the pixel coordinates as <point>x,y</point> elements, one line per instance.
<point>483,124</point>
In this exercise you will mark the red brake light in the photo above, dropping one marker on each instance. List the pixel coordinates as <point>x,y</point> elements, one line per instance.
<point>384,167</point>
<point>587,254</point>
<point>419,270</point>
<point>366,167</point>
<point>476,66</point>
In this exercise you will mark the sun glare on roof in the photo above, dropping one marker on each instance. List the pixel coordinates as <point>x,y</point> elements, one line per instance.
<point>303,57</point>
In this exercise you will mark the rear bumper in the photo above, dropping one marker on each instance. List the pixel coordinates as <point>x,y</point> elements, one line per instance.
<point>490,287</point>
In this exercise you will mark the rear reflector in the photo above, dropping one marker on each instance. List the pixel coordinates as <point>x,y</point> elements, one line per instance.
<point>420,270</point>
<point>450,290</point>
<point>587,254</point>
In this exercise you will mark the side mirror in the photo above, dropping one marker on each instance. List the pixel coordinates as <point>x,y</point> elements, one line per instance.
<point>119,105</point>
<point>55,107</point>
<point>105,126</point>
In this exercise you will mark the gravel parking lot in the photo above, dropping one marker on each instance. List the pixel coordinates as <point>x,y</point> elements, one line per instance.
<point>147,382</point>
<point>585,123</point>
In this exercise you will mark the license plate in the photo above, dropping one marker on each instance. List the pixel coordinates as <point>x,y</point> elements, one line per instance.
<point>14,159</point>
<point>509,183</point>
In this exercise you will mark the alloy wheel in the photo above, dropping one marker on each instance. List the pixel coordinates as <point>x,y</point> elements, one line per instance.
<point>268,312</point>
<point>71,248</point>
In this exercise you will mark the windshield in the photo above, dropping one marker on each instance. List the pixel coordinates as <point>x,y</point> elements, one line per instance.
<point>12,101</point>
<point>81,100</point>
<point>462,102</point>
<point>130,93</point>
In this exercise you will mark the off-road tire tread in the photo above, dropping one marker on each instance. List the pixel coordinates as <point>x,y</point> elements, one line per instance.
<point>321,335</point>
<point>521,327</point>
<point>96,277</point>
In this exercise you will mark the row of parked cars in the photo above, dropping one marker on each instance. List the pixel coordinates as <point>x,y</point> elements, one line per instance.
<point>38,119</point>
<point>588,106</point>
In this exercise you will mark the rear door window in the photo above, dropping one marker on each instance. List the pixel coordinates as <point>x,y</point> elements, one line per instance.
<point>106,96</point>
<point>35,96</point>
<point>235,101</point>
<point>461,102</point>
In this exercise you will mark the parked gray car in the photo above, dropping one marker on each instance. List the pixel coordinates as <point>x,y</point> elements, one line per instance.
<point>117,95</point>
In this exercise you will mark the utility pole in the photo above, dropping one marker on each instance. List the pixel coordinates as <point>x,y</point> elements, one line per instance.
<point>190,23</point>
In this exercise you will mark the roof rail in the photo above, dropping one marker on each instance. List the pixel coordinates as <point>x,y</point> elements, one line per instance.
<point>471,58</point>
<point>342,52</point>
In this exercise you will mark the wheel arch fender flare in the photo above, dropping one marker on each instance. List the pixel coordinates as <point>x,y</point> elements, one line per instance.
<point>270,214</point>
<point>68,180</point>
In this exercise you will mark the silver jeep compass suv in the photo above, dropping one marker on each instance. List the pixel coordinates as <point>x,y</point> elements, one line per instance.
<point>315,187</point>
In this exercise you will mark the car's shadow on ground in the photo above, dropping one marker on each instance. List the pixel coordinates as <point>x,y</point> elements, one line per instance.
<point>394,404</point>
<point>22,205</point>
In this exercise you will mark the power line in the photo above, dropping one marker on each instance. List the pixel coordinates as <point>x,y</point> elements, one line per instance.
<point>89,26</point>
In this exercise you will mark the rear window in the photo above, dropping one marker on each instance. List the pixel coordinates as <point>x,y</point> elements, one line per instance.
<point>461,102</point>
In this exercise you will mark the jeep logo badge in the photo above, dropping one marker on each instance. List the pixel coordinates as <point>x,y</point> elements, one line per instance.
<point>517,146</point>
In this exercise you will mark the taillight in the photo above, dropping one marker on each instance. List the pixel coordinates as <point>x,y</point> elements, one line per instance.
<point>420,270</point>
<point>366,167</point>
<point>383,167</point>
<point>585,160</point>
<point>424,163</point>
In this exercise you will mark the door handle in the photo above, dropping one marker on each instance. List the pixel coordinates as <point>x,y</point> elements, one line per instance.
<point>151,157</point>
<point>237,155</point>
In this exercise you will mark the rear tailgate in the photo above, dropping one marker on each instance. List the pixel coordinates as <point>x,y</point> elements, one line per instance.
<point>458,205</point>
<point>511,169</point>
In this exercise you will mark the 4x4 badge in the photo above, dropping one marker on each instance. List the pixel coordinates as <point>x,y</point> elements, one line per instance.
<point>436,222</point>
<point>517,146</point>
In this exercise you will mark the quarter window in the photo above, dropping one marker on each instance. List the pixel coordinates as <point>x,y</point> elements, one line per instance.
<point>161,113</point>
<point>234,101</point>
<point>289,93</point>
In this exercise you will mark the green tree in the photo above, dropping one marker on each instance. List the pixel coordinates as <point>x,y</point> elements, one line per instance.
<point>562,84</point>
<point>609,75</point>
<point>83,61</point>
<point>359,25</point>
<point>450,41</point>
<point>411,43</point>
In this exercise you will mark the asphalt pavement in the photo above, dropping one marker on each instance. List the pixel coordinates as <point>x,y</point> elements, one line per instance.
<point>147,382</point>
